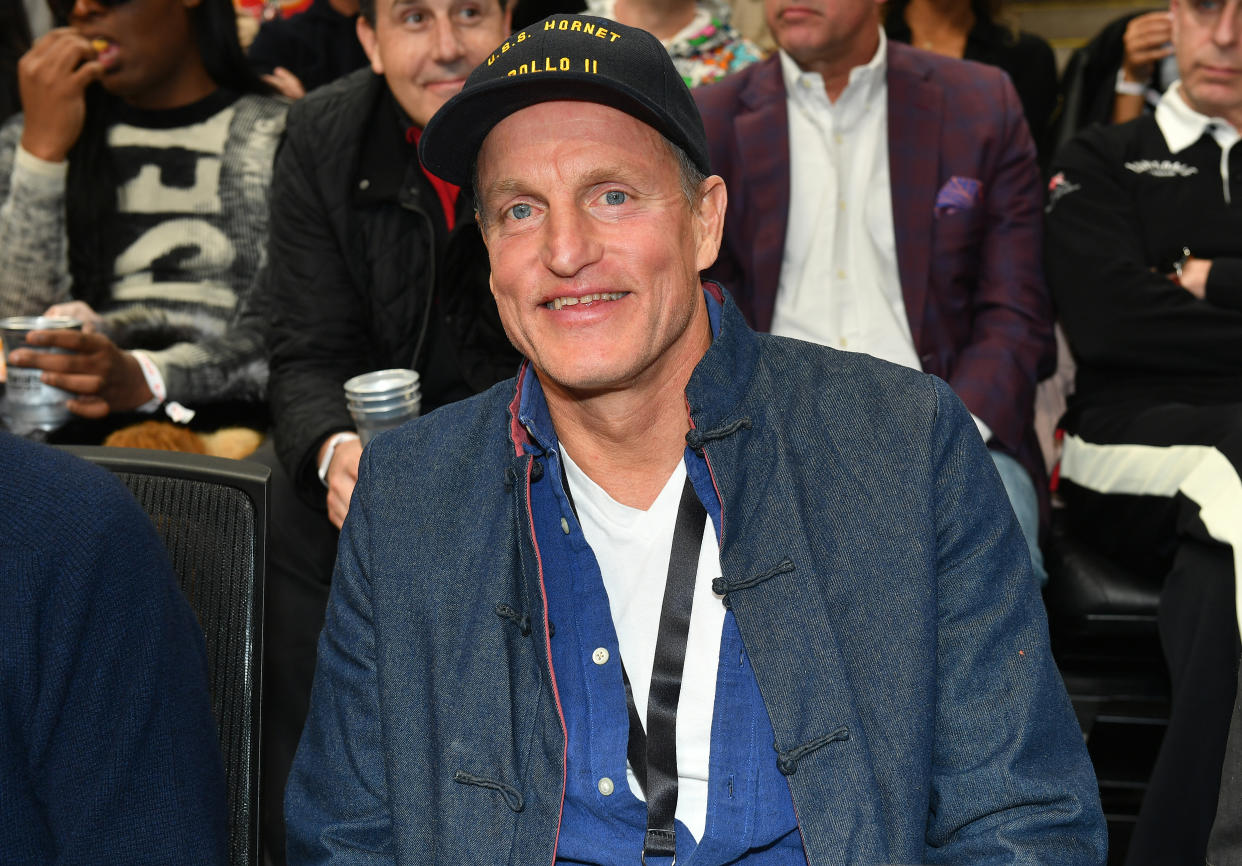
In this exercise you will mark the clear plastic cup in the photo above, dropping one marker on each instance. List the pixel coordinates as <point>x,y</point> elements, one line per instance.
<point>382,400</point>
<point>29,404</point>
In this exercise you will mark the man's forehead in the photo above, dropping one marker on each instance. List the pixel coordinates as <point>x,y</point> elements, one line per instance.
<point>573,119</point>
<point>583,156</point>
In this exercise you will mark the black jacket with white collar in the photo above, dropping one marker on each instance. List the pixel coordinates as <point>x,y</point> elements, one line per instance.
<point>1122,206</point>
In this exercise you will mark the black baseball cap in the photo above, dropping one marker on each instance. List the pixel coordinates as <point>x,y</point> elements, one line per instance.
<point>572,57</point>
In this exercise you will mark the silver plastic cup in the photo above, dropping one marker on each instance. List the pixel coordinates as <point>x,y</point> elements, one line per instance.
<point>382,400</point>
<point>29,404</point>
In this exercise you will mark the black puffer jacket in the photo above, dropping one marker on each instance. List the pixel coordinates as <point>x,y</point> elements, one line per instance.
<point>365,274</point>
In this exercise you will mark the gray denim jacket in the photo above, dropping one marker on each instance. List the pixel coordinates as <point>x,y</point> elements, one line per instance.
<point>908,618</point>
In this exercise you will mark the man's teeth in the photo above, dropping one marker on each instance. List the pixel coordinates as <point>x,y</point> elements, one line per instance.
<point>557,303</point>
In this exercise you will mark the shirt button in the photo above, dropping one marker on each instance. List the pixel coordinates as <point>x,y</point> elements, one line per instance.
<point>838,138</point>
<point>364,184</point>
<point>840,275</point>
<point>564,526</point>
<point>842,204</point>
<point>605,786</point>
<point>600,656</point>
<point>844,342</point>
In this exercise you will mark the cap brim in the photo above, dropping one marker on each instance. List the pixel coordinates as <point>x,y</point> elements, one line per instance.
<point>450,144</point>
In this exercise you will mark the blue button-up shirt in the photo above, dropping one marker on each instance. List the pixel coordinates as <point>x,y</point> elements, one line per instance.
<point>750,814</point>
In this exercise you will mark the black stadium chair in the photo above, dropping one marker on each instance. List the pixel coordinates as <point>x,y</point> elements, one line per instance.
<point>1102,621</point>
<point>212,514</point>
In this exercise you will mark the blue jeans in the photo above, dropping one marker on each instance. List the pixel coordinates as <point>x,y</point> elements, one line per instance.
<point>1021,492</point>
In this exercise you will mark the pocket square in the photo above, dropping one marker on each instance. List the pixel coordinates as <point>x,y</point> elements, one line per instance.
<point>958,193</point>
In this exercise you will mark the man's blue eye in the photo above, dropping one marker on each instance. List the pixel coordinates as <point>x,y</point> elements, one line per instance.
<point>615,196</point>
<point>520,211</point>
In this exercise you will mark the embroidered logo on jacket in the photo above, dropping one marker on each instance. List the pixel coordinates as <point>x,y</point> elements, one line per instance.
<point>1161,168</point>
<point>1059,186</point>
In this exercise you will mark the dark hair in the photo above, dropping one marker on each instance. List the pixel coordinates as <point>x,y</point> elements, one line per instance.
<point>366,8</point>
<point>14,42</point>
<point>91,185</point>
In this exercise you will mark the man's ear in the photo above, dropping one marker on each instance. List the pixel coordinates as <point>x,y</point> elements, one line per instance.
<point>709,217</point>
<point>370,44</point>
<point>508,13</point>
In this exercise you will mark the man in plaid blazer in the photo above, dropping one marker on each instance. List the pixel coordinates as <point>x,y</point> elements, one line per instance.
<point>940,231</point>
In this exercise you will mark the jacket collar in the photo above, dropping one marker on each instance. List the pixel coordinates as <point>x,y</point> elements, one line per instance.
<point>715,386</point>
<point>761,192</point>
<point>915,114</point>
<point>1182,126</point>
<point>388,169</point>
<point>384,155</point>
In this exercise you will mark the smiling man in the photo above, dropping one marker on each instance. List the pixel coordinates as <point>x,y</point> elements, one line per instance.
<point>1144,259</point>
<point>678,588</point>
<point>374,264</point>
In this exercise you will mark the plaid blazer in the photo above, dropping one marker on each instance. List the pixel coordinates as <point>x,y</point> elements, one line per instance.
<point>967,212</point>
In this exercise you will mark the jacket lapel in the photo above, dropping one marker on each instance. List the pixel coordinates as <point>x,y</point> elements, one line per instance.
<point>915,106</point>
<point>762,132</point>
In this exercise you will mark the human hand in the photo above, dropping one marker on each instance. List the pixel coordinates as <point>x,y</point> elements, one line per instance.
<point>1147,41</point>
<point>1195,276</point>
<point>285,82</point>
<point>52,78</point>
<point>80,310</point>
<point>105,378</point>
<point>341,476</point>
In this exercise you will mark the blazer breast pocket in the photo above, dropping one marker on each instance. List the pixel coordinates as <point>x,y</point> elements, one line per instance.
<point>958,228</point>
<point>959,194</point>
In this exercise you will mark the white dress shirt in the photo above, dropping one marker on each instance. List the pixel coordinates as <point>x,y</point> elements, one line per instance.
<point>839,284</point>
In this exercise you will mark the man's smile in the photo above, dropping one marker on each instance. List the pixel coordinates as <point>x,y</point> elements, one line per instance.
<point>574,300</point>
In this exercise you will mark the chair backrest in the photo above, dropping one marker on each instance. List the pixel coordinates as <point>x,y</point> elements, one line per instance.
<point>212,514</point>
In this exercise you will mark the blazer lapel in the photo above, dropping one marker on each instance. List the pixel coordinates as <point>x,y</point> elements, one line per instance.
<point>762,132</point>
<point>915,106</point>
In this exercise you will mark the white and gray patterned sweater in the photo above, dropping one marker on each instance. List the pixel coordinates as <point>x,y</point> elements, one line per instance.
<point>192,229</point>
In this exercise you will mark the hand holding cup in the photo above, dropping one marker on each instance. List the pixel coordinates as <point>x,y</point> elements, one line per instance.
<point>102,377</point>
<point>341,478</point>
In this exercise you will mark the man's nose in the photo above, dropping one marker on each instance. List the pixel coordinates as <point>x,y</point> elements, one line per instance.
<point>569,242</point>
<point>84,10</point>
<point>448,46</point>
<point>1226,30</point>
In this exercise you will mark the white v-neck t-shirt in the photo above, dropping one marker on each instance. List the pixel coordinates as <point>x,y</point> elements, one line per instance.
<point>632,548</point>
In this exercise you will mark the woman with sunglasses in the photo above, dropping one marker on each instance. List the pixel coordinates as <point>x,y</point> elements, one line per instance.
<point>133,195</point>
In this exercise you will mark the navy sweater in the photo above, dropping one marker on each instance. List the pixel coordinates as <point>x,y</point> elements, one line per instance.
<point>108,749</point>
